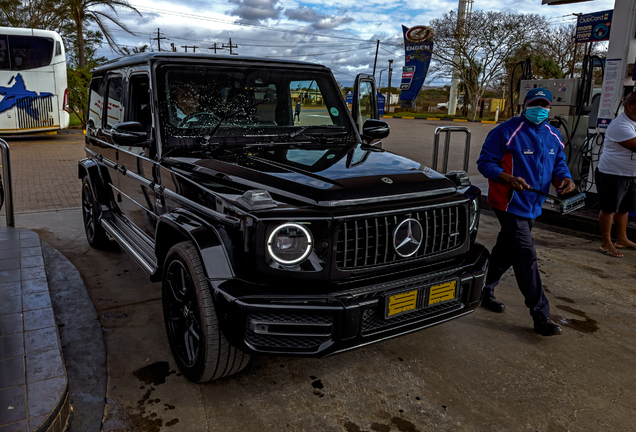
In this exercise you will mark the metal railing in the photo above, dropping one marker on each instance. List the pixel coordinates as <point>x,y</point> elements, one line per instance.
<point>448,130</point>
<point>6,181</point>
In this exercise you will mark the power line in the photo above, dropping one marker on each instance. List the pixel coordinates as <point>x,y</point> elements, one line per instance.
<point>230,46</point>
<point>198,17</point>
<point>159,38</point>
<point>307,55</point>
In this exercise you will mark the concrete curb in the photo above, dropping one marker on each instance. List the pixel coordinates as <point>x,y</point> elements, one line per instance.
<point>442,119</point>
<point>71,131</point>
<point>82,341</point>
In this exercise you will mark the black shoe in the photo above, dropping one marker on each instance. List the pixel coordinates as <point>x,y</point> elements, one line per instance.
<point>492,304</point>
<point>545,327</point>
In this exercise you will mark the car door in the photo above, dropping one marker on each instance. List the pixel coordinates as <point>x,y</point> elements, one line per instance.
<point>365,100</point>
<point>101,92</point>
<point>137,198</point>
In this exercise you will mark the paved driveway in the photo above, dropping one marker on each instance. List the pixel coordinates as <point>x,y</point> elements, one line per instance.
<point>483,372</point>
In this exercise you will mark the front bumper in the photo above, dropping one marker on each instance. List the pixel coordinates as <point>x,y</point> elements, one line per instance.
<point>319,326</point>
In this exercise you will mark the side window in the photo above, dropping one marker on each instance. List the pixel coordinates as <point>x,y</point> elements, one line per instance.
<point>95,103</point>
<point>139,107</point>
<point>308,104</point>
<point>4,54</point>
<point>114,107</point>
<point>58,48</point>
<point>366,101</point>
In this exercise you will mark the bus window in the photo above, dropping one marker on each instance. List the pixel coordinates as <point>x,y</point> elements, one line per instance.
<point>95,103</point>
<point>4,54</point>
<point>115,108</point>
<point>30,52</point>
<point>58,48</point>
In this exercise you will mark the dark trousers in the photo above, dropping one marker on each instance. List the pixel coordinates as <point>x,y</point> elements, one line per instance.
<point>515,248</point>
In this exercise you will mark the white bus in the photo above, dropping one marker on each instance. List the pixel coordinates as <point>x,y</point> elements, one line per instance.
<point>33,88</point>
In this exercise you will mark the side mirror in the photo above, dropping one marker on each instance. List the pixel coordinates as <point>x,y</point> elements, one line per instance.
<point>130,134</point>
<point>459,177</point>
<point>375,129</point>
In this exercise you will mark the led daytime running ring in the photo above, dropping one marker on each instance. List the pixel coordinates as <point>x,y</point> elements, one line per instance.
<point>305,231</point>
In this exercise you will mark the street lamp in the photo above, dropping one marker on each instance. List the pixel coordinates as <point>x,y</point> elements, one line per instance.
<point>380,83</point>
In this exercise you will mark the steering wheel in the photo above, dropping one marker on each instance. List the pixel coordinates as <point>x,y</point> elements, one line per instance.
<point>200,116</point>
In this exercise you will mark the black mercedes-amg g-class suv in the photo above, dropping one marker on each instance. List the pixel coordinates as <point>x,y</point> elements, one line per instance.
<point>272,232</point>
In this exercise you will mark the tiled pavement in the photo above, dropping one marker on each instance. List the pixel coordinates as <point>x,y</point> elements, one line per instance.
<point>33,383</point>
<point>45,172</point>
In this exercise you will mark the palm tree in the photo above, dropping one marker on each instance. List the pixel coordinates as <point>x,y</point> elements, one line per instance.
<point>82,12</point>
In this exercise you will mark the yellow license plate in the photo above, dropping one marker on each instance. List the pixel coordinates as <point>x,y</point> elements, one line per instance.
<point>401,303</point>
<point>442,292</point>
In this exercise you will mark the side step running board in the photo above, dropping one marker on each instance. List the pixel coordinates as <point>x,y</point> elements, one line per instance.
<point>135,242</point>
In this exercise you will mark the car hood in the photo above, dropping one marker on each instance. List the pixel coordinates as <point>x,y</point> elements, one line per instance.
<point>324,177</point>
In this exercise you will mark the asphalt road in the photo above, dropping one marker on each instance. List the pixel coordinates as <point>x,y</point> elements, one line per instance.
<point>483,372</point>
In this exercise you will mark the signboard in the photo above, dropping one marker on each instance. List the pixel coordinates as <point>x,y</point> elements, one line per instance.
<point>349,99</point>
<point>611,84</point>
<point>593,27</point>
<point>418,45</point>
<point>381,103</point>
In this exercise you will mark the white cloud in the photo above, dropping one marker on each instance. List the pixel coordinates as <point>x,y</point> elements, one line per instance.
<point>203,22</point>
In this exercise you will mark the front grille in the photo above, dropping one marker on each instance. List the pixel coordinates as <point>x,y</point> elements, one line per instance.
<point>369,242</point>
<point>33,112</point>
<point>291,323</point>
<point>373,319</point>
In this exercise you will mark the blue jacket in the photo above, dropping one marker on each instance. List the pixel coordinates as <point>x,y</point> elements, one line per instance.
<point>522,149</point>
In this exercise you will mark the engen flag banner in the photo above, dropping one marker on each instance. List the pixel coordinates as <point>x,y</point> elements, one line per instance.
<point>418,44</point>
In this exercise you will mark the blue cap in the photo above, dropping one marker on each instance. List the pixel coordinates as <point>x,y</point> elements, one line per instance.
<point>539,93</point>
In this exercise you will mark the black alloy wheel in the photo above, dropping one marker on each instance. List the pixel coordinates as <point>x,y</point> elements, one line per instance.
<point>198,346</point>
<point>95,233</point>
<point>182,313</point>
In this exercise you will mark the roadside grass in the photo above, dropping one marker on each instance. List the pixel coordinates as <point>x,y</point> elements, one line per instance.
<point>74,122</point>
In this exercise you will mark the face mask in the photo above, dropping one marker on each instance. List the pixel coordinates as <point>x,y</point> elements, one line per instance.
<point>537,114</point>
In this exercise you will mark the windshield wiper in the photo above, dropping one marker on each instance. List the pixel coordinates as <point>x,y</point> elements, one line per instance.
<point>208,136</point>
<point>313,138</point>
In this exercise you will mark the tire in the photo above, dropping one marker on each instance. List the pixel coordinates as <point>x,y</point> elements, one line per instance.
<point>198,346</point>
<point>95,233</point>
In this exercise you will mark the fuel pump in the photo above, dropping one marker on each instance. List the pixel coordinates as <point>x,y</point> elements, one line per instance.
<point>618,81</point>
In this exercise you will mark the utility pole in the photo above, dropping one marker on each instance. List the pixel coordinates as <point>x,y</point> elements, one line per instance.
<point>194,48</point>
<point>461,19</point>
<point>377,47</point>
<point>159,38</point>
<point>215,47</point>
<point>230,46</point>
<point>388,103</point>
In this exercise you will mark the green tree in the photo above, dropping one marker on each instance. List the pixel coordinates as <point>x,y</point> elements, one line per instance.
<point>83,13</point>
<point>135,50</point>
<point>484,42</point>
<point>39,14</point>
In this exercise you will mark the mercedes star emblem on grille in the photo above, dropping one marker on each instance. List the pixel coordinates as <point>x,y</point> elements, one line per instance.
<point>387,180</point>
<point>407,237</point>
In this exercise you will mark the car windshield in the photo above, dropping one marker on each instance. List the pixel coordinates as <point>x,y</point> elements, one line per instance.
<point>242,104</point>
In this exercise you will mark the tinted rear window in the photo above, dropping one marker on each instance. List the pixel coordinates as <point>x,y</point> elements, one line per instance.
<point>25,52</point>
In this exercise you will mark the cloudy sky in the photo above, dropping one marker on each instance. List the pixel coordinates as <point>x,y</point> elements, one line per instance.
<point>338,33</point>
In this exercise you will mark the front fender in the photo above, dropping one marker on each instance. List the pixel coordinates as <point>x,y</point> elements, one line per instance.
<point>99,179</point>
<point>182,225</point>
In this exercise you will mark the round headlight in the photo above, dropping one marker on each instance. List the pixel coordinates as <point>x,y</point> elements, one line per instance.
<point>473,214</point>
<point>290,244</point>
